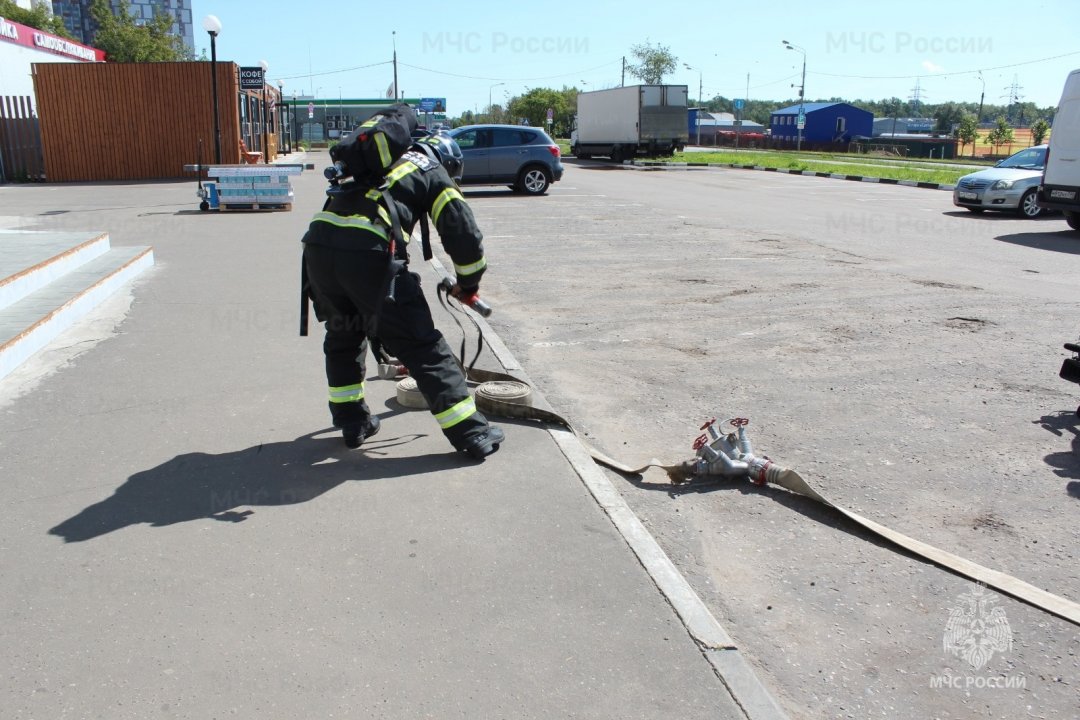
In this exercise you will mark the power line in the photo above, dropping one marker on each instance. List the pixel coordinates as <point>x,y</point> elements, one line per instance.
<point>737,93</point>
<point>503,79</point>
<point>945,74</point>
<point>334,72</point>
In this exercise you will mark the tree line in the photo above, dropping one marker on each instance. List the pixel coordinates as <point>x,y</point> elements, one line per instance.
<point>532,105</point>
<point>650,63</point>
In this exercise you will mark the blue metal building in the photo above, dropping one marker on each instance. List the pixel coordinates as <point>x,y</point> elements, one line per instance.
<point>825,122</point>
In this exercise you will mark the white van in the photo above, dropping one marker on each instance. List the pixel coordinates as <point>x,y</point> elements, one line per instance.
<point>1060,189</point>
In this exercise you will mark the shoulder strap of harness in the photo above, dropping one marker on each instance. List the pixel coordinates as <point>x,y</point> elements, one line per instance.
<point>425,229</point>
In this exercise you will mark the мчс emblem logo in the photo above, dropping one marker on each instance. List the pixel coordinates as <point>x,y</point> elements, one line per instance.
<point>975,631</point>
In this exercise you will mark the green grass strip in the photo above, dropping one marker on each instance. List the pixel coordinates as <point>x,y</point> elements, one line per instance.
<point>850,166</point>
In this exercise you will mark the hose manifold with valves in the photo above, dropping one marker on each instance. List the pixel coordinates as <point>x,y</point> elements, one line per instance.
<point>731,455</point>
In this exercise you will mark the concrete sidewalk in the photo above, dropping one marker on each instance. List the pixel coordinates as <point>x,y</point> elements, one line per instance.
<point>184,537</point>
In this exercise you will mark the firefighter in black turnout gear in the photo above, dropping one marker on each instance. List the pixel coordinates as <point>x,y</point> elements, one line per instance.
<point>356,268</point>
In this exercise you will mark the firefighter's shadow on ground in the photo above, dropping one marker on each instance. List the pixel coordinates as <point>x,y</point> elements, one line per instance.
<point>1066,464</point>
<point>227,486</point>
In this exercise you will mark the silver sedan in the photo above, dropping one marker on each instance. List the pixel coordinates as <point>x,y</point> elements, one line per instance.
<point>1009,185</point>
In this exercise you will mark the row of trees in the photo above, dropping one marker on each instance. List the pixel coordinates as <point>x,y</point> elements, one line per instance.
<point>950,118</point>
<point>967,132</point>
<point>119,35</point>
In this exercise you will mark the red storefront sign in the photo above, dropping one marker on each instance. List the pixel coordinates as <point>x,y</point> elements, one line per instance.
<point>20,34</point>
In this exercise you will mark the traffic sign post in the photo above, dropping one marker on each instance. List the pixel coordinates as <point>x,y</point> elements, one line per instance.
<point>739,104</point>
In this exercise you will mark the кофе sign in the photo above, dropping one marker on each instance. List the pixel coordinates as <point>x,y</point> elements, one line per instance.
<point>251,78</point>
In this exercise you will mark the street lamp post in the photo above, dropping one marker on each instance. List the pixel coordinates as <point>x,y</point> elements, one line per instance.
<point>265,136</point>
<point>282,111</point>
<point>212,25</point>
<point>802,87</point>
<point>295,132</point>
<point>699,91</point>
<point>490,114</point>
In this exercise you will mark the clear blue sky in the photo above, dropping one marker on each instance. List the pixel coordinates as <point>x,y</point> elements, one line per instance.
<point>459,50</point>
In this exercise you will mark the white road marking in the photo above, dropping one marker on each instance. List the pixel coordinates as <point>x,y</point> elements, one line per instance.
<point>571,343</point>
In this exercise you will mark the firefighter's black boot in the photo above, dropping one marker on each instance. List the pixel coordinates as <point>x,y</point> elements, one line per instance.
<point>356,434</point>
<point>482,444</point>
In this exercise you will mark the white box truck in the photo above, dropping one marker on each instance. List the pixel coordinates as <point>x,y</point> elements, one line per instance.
<point>625,122</point>
<point>1060,189</point>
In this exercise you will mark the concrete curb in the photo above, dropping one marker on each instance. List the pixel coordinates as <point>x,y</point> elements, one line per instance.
<point>715,644</point>
<point>811,173</point>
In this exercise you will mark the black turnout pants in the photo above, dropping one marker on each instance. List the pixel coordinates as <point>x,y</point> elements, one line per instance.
<point>346,286</point>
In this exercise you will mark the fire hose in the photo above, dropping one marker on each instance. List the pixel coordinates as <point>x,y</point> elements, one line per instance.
<point>732,456</point>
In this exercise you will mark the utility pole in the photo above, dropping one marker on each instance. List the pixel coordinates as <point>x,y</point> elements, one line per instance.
<point>802,89</point>
<point>622,82</point>
<point>978,120</point>
<point>699,91</point>
<point>394,34</point>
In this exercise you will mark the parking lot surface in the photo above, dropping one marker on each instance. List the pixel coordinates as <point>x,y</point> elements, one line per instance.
<point>899,352</point>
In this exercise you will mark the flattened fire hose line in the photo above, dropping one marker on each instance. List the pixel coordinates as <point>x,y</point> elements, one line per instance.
<point>492,404</point>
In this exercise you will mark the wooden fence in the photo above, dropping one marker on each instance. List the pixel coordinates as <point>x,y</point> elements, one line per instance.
<point>20,141</point>
<point>133,121</point>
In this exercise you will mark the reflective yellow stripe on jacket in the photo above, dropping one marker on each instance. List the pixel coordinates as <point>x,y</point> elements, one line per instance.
<point>462,411</point>
<point>384,149</point>
<point>471,267</point>
<point>358,222</point>
<point>347,393</point>
<point>442,200</point>
<point>399,172</point>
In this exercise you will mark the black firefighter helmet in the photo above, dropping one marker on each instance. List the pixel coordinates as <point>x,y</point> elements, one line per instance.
<point>443,148</point>
<point>369,152</point>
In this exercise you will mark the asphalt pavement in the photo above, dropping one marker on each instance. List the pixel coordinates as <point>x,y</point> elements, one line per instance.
<point>185,537</point>
<point>900,353</point>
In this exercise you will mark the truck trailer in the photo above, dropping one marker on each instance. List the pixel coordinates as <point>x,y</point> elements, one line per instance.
<point>625,122</point>
<point>1060,188</point>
